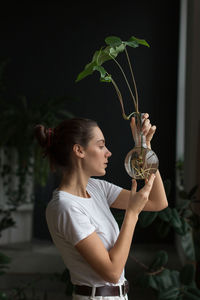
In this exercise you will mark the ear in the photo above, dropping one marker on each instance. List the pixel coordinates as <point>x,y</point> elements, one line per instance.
<point>78,150</point>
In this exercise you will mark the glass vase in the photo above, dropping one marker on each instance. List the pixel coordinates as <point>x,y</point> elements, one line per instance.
<point>141,161</point>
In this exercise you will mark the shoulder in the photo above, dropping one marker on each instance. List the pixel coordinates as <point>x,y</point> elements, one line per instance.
<point>60,203</point>
<point>98,184</point>
<point>106,189</point>
<point>101,184</point>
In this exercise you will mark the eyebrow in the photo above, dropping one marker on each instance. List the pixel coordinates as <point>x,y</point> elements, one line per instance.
<point>102,140</point>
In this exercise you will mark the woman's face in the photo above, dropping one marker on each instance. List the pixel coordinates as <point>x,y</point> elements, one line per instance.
<point>96,154</point>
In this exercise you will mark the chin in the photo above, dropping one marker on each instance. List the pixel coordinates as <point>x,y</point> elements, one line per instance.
<point>100,173</point>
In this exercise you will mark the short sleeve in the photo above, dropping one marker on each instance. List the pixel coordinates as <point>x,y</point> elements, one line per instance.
<point>75,225</point>
<point>110,190</point>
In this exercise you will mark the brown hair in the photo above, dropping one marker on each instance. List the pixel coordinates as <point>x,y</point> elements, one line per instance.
<point>58,142</point>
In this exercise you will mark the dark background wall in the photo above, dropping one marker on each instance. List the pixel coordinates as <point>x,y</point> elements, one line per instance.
<point>49,43</point>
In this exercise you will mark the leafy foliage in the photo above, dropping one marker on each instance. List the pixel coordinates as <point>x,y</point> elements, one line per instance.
<point>4,261</point>
<point>169,284</point>
<point>114,46</point>
<point>6,219</point>
<point>173,284</point>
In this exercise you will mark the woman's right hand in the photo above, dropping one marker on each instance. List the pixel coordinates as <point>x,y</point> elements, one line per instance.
<point>138,199</point>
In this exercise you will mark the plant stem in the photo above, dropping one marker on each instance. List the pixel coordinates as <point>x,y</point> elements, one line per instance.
<point>135,103</point>
<point>146,267</point>
<point>120,98</point>
<point>136,93</point>
<point>139,262</point>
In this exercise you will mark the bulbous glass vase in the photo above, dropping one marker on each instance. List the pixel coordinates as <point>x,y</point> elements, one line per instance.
<point>141,161</point>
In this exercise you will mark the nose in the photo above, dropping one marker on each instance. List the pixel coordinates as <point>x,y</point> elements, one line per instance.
<point>108,153</point>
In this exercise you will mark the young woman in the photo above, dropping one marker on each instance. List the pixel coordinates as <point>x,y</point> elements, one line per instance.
<point>79,217</point>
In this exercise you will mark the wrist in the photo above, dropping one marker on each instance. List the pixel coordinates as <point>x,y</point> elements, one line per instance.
<point>133,215</point>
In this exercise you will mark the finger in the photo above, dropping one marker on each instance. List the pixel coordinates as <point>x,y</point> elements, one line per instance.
<point>146,122</point>
<point>145,116</point>
<point>134,185</point>
<point>146,129</point>
<point>149,183</point>
<point>132,123</point>
<point>151,132</point>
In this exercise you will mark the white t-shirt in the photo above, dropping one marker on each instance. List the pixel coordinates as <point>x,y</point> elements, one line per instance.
<point>71,218</point>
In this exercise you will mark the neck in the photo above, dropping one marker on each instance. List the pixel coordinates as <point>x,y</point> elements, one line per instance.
<point>75,184</point>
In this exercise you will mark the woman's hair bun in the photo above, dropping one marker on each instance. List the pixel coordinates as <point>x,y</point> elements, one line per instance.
<point>58,142</point>
<point>41,135</point>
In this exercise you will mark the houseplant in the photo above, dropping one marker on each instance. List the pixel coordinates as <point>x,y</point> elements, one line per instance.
<point>183,284</point>
<point>140,162</point>
<point>21,162</point>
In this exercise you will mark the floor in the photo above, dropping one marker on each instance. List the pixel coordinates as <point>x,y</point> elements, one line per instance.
<point>38,262</point>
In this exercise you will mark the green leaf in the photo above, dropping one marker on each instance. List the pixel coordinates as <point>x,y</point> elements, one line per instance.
<point>3,296</point>
<point>115,46</point>
<point>184,228</point>
<point>165,214</point>
<point>163,229</point>
<point>194,291</point>
<point>169,294</point>
<point>102,56</point>
<point>139,41</point>
<point>132,44</point>
<point>190,296</point>
<point>175,278</point>
<point>188,245</point>
<point>187,274</point>
<point>113,41</point>
<point>4,259</point>
<point>115,51</point>
<point>175,220</point>
<point>152,282</point>
<point>159,261</point>
<point>164,280</point>
<point>98,59</point>
<point>101,70</point>
<point>146,218</point>
<point>106,79</point>
<point>89,68</point>
<point>187,213</point>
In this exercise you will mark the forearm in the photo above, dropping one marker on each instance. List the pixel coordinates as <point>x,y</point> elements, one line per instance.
<point>157,195</point>
<point>120,251</point>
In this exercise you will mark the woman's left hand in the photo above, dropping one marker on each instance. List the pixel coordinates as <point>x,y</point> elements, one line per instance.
<point>147,128</point>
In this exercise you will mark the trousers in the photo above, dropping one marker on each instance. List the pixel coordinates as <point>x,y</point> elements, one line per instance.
<point>79,297</point>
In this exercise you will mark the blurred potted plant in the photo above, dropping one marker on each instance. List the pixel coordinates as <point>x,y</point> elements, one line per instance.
<point>21,162</point>
<point>183,219</point>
